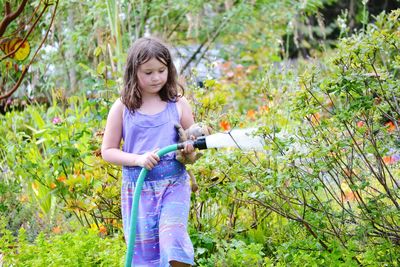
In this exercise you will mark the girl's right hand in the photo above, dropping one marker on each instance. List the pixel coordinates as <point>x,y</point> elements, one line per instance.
<point>149,160</point>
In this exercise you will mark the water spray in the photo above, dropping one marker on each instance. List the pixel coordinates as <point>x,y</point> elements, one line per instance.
<point>244,139</point>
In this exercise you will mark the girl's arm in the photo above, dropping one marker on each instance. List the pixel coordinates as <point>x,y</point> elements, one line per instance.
<point>186,119</point>
<point>185,113</point>
<point>111,146</point>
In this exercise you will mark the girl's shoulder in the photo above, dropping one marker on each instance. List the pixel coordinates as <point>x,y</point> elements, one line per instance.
<point>118,107</point>
<point>181,104</point>
<point>118,104</point>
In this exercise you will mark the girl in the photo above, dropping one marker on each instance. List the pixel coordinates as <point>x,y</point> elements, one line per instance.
<point>144,117</point>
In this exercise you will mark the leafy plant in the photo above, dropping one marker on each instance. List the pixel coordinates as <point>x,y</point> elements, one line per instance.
<point>83,247</point>
<point>56,156</point>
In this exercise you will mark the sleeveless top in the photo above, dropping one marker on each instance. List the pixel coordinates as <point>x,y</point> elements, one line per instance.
<point>143,133</point>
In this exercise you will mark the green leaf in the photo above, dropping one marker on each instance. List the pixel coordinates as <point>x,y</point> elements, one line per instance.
<point>97,51</point>
<point>101,67</point>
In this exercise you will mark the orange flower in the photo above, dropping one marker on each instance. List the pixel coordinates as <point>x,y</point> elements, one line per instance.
<point>251,68</point>
<point>53,185</point>
<point>61,178</point>
<point>388,160</point>
<point>391,126</point>
<point>225,125</point>
<point>264,108</point>
<point>24,198</point>
<point>226,65</point>
<point>103,230</point>
<point>347,172</point>
<point>348,197</point>
<point>239,67</point>
<point>315,118</point>
<point>88,176</point>
<point>360,124</point>
<point>56,230</point>
<point>251,114</point>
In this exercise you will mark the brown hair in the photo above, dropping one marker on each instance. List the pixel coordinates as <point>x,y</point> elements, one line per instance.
<point>140,52</point>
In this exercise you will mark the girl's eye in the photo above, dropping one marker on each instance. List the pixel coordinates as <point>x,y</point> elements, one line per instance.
<point>161,71</point>
<point>147,73</point>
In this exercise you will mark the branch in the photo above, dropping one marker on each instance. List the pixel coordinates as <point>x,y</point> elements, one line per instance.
<point>9,17</point>
<point>217,31</point>
<point>9,93</point>
<point>10,54</point>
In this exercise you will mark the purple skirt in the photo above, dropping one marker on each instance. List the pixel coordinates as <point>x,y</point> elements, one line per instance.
<point>161,230</point>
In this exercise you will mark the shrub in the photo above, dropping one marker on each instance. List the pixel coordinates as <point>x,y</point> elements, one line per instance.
<point>83,247</point>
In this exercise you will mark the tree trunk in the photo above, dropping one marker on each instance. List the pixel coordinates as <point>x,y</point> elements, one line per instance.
<point>70,56</point>
<point>352,14</point>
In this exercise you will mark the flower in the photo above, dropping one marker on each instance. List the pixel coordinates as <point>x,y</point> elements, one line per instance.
<point>348,172</point>
<point>56,230</point>
<point>315,118</point>
<point>230,74</point>
<point>24,198</point>
<point>389,160</point>
<point>53,185</point>
<point>225,125</point>
<point>251,114</point>
<point>360,124</point>
<point>61,179</point>
<point>390,126</point>
<point>264,108</point>
<point>103,230</point>
<point>56,120</point>
<point>226,65</point>
<point>88,177</point>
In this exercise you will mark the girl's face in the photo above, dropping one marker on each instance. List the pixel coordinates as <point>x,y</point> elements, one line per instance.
<point>152,76</point>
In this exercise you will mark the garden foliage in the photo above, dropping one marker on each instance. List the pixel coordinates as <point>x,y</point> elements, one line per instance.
<point>324,193</point>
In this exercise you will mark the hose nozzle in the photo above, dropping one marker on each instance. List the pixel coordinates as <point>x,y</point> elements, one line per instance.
<point>199,143</point>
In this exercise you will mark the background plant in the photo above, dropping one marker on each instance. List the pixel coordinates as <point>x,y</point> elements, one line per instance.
<point>331,166</point>
<point>326,191</point>
<point>55,156</point>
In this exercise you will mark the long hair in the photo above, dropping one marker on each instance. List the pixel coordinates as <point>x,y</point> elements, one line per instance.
<point>143,50</point>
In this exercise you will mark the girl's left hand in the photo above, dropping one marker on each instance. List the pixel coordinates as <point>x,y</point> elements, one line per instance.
<point>189,148</point>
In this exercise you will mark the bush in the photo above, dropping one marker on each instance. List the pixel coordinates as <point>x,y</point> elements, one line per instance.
<point>235,253</point>
<point>54,154</point>
<point>84,247</point>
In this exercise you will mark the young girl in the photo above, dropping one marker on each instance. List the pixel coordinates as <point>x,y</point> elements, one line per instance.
<point>144,118</point>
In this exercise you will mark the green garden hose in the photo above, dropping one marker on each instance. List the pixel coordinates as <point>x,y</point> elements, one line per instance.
<point>239,138</point>
<point>200,143</point>
<point>135,203</point>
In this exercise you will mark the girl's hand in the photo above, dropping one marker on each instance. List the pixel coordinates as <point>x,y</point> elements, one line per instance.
<point>149,160</point>
<point>189,148</point>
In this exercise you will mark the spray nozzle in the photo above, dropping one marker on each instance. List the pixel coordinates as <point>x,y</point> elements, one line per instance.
<point>199,143</point>
<point>244,139</point>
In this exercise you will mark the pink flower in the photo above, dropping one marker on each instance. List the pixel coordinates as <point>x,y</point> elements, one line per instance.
<point>56,120</point>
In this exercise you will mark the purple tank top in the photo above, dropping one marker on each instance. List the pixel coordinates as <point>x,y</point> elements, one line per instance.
<point>143,133</point>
